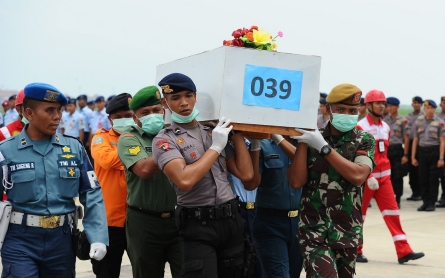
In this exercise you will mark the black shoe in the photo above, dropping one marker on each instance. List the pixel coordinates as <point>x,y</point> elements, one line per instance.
<point>441,204</point>
<point>423,207</point>
<point>411,256</point>
<point>362,259</point>
<point>430,207</point>
<point>414,198</point>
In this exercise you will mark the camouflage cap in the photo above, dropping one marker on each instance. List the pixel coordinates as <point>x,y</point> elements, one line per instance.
<point>345,93</point>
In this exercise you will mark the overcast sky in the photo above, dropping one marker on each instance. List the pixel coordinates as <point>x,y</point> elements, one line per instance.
<point>109,47</point>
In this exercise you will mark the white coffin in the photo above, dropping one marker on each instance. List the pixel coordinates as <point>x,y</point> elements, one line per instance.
<point>228,82</point>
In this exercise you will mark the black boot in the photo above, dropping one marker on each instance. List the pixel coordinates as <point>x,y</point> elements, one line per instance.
<point>411,256</point>
<point>423,206</point>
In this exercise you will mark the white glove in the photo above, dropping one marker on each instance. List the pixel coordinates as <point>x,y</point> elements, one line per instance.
<point>255,144</point>
<point>220,134</point>
<point>373,184</point>
<point>312,138</point>
<point>276,138</point>
<point>98,251</point>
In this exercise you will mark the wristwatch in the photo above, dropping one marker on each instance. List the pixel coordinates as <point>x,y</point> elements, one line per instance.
<point>326,149</point>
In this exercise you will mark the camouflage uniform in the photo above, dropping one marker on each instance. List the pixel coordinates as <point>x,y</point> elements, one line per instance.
<point>330,228</point>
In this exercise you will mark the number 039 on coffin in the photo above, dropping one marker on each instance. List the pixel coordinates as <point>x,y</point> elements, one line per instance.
<point>260,91</point>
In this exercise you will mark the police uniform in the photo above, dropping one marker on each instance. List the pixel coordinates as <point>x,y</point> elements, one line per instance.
<point>330,227</point>
<point>99,119</point>
<point>72,123</point>
<point>414,181</point>
<point>152,234</point>
<point>210,225</point>
<point>44,178</point>
<point>276,222</point>
<point>111,175</point>
<point>429,132</point>
<point>441,202</point>
<point>399,128</point>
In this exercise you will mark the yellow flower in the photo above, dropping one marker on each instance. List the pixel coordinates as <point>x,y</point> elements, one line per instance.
<point>261,37</point>
<point>274,45</point>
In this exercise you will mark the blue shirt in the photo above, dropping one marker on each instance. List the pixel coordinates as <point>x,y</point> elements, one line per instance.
<point>72,124</point>
<point>11,116</point>
<point>86,113</point>
<point>238,188</point>
<point>46,183</point>
<point>99,120</point>
<point>274,190</point>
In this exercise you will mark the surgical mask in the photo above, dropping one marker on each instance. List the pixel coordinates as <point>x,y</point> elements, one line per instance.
<point>120,125</point>
<point>344,122</point>
<point>175,117</point>
<point>25,120</point>
<point>152,123</point>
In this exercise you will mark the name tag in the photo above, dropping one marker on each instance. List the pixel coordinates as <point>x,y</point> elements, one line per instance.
<point>272,87</point>
<point>148,149</point>
<point>381,146</point>
<point>272,156</point>
<point>21,166</point>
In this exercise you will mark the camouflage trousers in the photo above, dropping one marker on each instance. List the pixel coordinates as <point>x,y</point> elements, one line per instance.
<point>323,262</point>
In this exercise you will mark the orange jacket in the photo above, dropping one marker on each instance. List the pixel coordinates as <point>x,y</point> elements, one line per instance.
<point>111,175</point>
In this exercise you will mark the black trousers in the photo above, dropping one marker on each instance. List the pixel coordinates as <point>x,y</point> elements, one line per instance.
<point>110,265</point>
<point>209,245</point>
<point>398,170</point>
<point>413,172</point>
<point>429,173</point>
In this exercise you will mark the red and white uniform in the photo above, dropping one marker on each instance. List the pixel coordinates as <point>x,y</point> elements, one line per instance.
<point>384,196</point>
<point>11,129</point>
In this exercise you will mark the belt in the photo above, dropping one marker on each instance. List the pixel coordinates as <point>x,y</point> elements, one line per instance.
<point>41,221</point>
<point>164,215</point>
<point>429,148</point>
<point>278,212</point>
<point>216,212</point>
<point>248,205</point>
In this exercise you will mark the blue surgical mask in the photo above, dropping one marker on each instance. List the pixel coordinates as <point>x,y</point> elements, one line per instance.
<point>344,122</point>
<point>120,125</point>
<point>152,123</point>
<point>175,117</point>
<point>25,120</point>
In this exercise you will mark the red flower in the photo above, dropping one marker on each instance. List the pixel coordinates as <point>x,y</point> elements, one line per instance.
<point>237,33</point>
<point>237,42</point>
<point>229,42</point>
<point>254,27</point>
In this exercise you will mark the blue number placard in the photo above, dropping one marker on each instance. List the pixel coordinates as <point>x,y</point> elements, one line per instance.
<point>272,87</point>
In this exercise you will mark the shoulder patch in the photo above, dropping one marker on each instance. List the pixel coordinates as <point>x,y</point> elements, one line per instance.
<point>435,123</point>
<point>134,150</point>
<point>98,140</point>
<point>127,135</point>
<point>163,144</point>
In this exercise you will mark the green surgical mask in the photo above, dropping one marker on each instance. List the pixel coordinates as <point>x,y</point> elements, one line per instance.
<point>175,117</point>
<point>344,122</point>
<point>152,123</point>
<point>25,120</point>
<point>119,125</point>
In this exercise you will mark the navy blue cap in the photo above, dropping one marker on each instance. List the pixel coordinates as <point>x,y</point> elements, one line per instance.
<point>12,97</point>
<point>430,102</point>
<point>72,101</point>
<point>82,97</point>
<point>418,99</point>
<point>362,101</point>
<point>323,95</point>
<point>322,101</point>
<point>90,102</point>
<point>175,83</point>
<point>110,97</point>
<point>392,101</point>
<point>99,98</point>
<point>44,92</point>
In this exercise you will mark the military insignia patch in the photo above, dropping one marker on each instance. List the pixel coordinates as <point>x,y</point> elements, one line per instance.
<point>66,149</point>
<point>399,122</point>
<point>134,150</point>
<point>193,155</point>
<point>71,171</point>
<point>435,123</point>
<point>180,141</point>
<point>98,140</point>
<point>148,149</point>
<point>67,156</point>
<point>210,133</point>
<point>163,145</point>
<point>23,142</point>
<point>177,130</point>
<point>51,96</point>
<point>356,97</point>
<point>167,89</point>
<point>397,133</point>
<point>57,139</point>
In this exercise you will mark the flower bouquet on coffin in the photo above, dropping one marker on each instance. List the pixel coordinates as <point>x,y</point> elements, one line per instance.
<point>253,38</point>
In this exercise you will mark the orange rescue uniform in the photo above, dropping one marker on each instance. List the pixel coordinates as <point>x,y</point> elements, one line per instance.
<point>111,175</point>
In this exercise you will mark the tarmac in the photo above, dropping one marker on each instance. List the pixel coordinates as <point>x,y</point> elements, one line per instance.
<point>425,231</point>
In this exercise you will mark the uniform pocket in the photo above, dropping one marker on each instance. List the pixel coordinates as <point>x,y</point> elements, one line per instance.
<point>433,132</point>
<point>70,181</point>
<point>24,188</point>
<point>6,270</point>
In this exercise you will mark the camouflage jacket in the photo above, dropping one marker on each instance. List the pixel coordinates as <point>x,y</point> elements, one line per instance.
<point>330,205</point>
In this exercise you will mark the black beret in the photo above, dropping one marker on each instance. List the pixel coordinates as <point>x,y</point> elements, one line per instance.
<point>362,101</point>
<point>392,101</point>
<point>82,97</point>
<point>120,102</point>
<point>323,95</point>
<point>322,101</point>
<point>418,99</point>
<point>175,83</point>
<point>430,102</point>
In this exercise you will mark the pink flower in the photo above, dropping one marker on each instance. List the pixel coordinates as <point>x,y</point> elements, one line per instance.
<point>280,34</point>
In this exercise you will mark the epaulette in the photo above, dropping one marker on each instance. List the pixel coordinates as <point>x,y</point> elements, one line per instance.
<point>8,139</point>
<point>69,136</point>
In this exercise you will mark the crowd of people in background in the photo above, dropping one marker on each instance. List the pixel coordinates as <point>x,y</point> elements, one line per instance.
<point>182,194</point>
